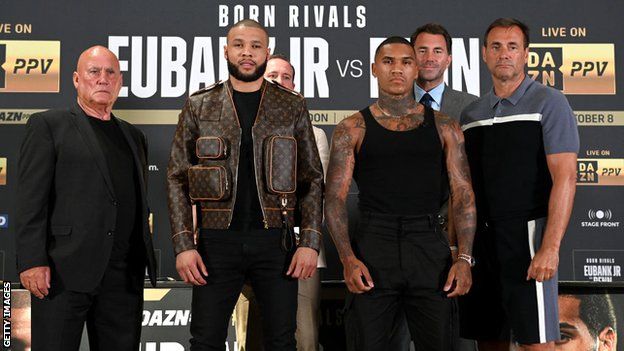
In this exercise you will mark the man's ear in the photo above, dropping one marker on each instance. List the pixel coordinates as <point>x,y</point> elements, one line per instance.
<point>607,339</point>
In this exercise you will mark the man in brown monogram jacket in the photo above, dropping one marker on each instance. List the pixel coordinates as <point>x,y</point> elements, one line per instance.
<point>242,161</point>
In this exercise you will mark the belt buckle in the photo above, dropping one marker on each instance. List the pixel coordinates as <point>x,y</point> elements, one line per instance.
<point>441,220</point>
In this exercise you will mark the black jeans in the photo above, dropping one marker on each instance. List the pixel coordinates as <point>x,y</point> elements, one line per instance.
<point>112,312</point>
<point>232,258</point>
<point>408,258</point>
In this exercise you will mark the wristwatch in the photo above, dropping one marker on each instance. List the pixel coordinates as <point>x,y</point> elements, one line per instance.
<point>471,261</point>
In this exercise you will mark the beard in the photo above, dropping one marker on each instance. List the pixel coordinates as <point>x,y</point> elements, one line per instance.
<point>251,77</point>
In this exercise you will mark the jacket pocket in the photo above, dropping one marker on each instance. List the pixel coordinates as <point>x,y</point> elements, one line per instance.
<point>61,230</point>
<point>212,148</point>
<point>209,183</point>
<point>280,164</point>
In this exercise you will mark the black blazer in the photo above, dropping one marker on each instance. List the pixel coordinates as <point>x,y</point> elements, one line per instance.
<point>66,206</point>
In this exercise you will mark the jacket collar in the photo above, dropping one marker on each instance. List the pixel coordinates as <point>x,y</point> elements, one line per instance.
<point>230,97</point>
<point>228,84</point>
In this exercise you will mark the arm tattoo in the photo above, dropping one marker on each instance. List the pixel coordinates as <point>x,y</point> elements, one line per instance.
<point>463,201</point>
<point>338,181</point>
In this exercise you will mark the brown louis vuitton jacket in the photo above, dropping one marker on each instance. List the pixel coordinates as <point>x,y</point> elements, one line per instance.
<point>203,165</point>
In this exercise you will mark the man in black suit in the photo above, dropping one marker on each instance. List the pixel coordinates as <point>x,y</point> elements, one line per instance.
<point>83,240</point>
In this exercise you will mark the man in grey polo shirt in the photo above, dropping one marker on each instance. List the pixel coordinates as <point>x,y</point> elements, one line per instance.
<point>522,144</point>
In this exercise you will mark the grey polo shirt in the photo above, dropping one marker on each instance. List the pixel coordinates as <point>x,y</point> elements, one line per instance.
<point>507,141</point>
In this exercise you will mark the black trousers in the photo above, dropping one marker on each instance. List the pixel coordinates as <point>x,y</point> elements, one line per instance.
<point>400,338</point>
<point>408,258</point>
<point>232,258</point>
<point>112,313</point>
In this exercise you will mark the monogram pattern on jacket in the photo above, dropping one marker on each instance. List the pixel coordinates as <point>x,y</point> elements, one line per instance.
<point>211,113</point>
<point>209,183</point>
<point>211,148</point>
<point>280,157</point>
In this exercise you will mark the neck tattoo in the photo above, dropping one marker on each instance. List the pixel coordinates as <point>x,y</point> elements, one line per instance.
<point>386,113</point>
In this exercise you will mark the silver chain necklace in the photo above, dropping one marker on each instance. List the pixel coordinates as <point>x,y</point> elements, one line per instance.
<point>386,113</point>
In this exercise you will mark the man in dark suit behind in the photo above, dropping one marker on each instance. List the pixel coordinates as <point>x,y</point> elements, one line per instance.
<point>83,240</point>
<point>432,44</point>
